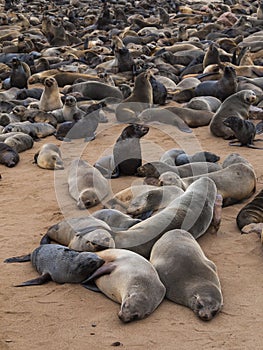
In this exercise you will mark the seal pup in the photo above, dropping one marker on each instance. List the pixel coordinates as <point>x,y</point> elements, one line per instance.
<point>60,264</point>
<point>140,99</point>
<point>86,184</point>
<point>82,234</point>
<point>127,155</point>
<point>70,110</point>
<point>50,98</point>
<point>169,156</point>
<point>130,280</point>
<point>19,74</point>
<point>235,105</point>
<point>192,211</point>
<point>20,142</point>
<point>8,156</point>
<point>189,277</point>
<point>251,212</point>
<point>115,219</point>
<point>49,157</point>
<point>202,156</point>
<point>244,130</point>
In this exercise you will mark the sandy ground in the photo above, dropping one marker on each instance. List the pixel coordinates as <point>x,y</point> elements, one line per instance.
<point>68,316</point>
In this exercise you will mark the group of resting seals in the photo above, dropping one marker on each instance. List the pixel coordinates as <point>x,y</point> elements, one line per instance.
<point>205,299</point>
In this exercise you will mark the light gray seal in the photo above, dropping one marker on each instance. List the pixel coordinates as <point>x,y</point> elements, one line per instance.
<point>49,157</point>
<point>190,278</point>
<point>35,130</point>
<point>19,141</point>
<point>59,264</point>
<point>130,280</point>
<point>86,184</point>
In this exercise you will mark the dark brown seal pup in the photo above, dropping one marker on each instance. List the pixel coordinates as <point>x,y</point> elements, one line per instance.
<point>251,212</point>
<point>189,277</point>
<point>8,156</point>
<point>59,264</point>
<point>140,99</point>
<point>244,130</point>
<point>221,88</point>
<point>127,150</point>
<point>130,280</point>
<point>202,156</point>
<point>19,74</point>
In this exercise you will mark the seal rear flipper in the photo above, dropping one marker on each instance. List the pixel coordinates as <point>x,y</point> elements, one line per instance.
<point>105,269</point>
<point>45,240</point>
<point>115,173</point>
<point>36,281</point>
<point>91,286</point>
<point>144,215</point>
<point>22,258</point>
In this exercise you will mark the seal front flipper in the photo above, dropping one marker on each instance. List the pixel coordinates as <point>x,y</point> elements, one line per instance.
<point>36,281</point>
<point>105,269</point>
<point>22,258</point>
<point>45,239</point>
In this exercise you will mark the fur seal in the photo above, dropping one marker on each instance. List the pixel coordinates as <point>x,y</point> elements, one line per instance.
<point>221,88</point>
<point>155,169</point>
<point>60,264</point>
<point>130,280</point>
<point>202,156</point>
<point>140,99</point>
<point>190,278</point>
<point>70,109</point>
<point>8,156</point>
<point>82,234</point>
<point>208,103</point>
<point>20,142</point>
<point>49,157</point>
<point>235,158</point>
<point>251,212</point>
<point>192,211</point>
<point>169,156</point>
<point>226,180</point>
<point>235,105</point>
<point>115,219</point>
<point>244,130</point>
<point>193,118</point>
<point>50,98</point>
<point>35,130</point>
<point>127,155</point>
<point>86,184</point>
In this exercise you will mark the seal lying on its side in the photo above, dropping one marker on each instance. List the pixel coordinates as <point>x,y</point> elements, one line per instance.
<point>59,264</point>
<point>130,280</point>
<point>49,157</point>
<point>8,156</point>
<point>189,277</point>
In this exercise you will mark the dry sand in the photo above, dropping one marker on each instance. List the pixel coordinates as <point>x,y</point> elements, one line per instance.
<point>54,316</point>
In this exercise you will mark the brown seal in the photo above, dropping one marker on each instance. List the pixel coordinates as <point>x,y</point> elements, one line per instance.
<point>49,157</point>
<point>190,278</point>
<point>59,264</point>
<point>130,280</point>
<point>50,98</point>
<point>251,212</point>
<point>140,99</point>
<point>86,184</point>
<point>235,105</point>
<point>8,156</point>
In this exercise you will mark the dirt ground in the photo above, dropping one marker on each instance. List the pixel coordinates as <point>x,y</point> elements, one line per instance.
<point>68,316</point>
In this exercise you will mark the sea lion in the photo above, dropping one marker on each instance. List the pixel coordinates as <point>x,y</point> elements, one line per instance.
<point>221,88</point>
<point>251,212</point>
<point>115,219</point>
<point>8,156</point>
<point>189,276</point>
<point>130,280</point>
<point>202,156</point>
<point>59,264</point>
<point>155,169</point>
<point>49,157</point>
<point>86,184</point>
<point>192,211</point>
<point>244,130</point>
<point>127,155</point>
<point>82,234</point>
<point>20,142</point>
<point>235,105</point>
<point>140,99</point>
<point>35,130</point>
<point>50,98</point>
<point>226,180</point>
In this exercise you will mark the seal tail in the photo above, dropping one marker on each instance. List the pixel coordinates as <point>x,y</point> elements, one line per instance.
<point>22,258</point>
<point>36,281</point>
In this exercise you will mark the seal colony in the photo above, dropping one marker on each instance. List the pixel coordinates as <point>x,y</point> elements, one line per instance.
<point>135,63</point>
